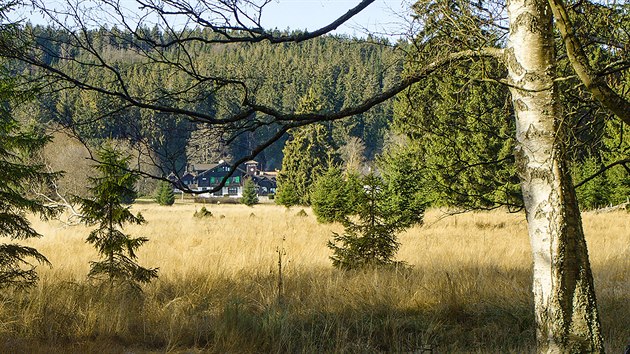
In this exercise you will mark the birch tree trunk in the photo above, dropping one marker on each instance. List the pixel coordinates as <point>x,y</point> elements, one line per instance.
<point>567,320</point>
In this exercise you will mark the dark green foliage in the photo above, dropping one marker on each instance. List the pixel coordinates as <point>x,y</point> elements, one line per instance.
<point>287,195</point>
<point>369,239</point>
<point>164,194</point>
<point>328,198</point>
<point>17,173</point>
<point>406,197</point>
<point>461,138</point>
<point>202,213</point>
<point>597,192</point>
<point>459,125</point>
<point>611,187</point>
<point>250,193</point>
<point>113,187</point>
<point>307,156</point>
<point>335,195</point>
<point>278,76</point>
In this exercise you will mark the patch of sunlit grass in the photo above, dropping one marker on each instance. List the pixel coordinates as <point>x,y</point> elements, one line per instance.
<point>468,287</point>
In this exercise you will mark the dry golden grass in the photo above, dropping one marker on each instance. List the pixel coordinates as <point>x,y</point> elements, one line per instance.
<point>218,291</point>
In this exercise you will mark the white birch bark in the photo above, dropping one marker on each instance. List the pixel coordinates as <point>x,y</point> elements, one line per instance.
<point>565,307</point>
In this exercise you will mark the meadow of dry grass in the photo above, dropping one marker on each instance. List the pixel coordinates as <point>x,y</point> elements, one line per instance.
<point>468,289</point>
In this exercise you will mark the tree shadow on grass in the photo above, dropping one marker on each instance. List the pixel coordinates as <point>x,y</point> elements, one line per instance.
<point>467,309</point>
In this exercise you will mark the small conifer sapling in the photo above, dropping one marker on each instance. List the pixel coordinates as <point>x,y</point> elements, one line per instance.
<point>111,190</point>
<point>250,193</point>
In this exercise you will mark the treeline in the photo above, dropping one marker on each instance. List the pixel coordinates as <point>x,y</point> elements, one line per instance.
<point>337,71</point>
<point>452,133</point>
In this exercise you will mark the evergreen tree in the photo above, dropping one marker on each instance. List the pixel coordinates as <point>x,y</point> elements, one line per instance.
<point>17,171</point>
<point>286,194</point>
<point>597,192</point>
<point>404,179</point>
<point>461,137</point>
<point>113,187</point>
<point>165,194</point>
<point>250,193</point>
<point>371,240</point>
<point>306,157</point>
<point>329,198</point>
<point>335,195</point>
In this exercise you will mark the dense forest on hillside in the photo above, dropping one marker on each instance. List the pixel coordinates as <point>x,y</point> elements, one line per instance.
<point>337,71</point>
<point>456,137</point>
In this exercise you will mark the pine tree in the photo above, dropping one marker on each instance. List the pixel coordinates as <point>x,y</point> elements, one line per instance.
<point>17,171</point>
<point>462,138</point>
<point>113,187</point>
<point>250,193</point>
<point>165,194</point>
<point>371,240</point>
<point>306,157</point>
<point>406,197</point>
<point>333,196</point>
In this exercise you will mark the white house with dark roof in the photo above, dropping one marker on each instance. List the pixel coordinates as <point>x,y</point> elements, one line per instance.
<point>205,177</point>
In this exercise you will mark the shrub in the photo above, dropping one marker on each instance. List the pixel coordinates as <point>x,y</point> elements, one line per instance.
<point>202,213</point>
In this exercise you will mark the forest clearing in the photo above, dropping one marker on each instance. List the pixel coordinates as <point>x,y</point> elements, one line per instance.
<point>468,288</point>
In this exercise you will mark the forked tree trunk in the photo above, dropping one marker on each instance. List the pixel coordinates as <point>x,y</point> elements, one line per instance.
<point>565,308</point>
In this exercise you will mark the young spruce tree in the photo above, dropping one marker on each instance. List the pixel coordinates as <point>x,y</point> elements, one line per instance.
<point>17,171</point>
<point>250,193</point>
<point>111,189</point>
<point>369,239</point>
<point>165,194</point>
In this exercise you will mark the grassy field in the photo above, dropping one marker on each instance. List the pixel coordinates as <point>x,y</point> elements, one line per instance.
<point>219,288</point>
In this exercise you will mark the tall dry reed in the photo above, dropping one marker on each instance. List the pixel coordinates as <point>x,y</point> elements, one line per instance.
<point>468,288</point>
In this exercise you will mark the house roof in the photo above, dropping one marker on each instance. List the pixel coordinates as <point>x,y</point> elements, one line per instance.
<point>173,176</point>
<point>203,166</point>
<point>213,170</point>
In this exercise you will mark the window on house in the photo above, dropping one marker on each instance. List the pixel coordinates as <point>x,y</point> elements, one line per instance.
<point>236,179</point>
<point>232,190</point>
<point>212,180</point>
